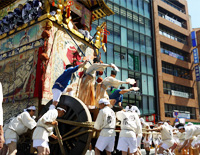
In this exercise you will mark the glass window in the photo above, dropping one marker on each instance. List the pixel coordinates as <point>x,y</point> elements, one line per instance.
<point>145,105</point>
<point>117,55</point>
<point>148,46</point>
<point>136,41</point>
<point>141,23</point>
<point>138,80</point>
<point>116,1</point>
<point>142,43</point>
<point>147,27</point>
<point>144,85</point>
<point>129,4</point>
<point>116,15</point>
<point>137,61</point>
<point>129,20</point>
<point>123,16</point>
<point>110,5</point>
<point>146,9</point>
<point>117,36</point>
<point>130,39</point>
<point>124,57</point>
<point>110,29</point>
<point>149,65</point>
<point>143,64</point>
<point>123,3</point>
<point>135,22</point>
<point>124,77</point>
<point>118,76</point>
<point>123,36</point>
<point>109,53</point>
<point>135,5</point>
<point>141,7</point>
<point>151,105</point>
<point>130,60</point>
<point>103,55</point>
<point>150,85</point>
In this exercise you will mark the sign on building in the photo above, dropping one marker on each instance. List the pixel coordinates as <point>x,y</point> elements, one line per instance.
<point>196,56</point>
<point>193,36</point>
<point>197,73</point>
<point>179,94</point>
<point>181,114</point>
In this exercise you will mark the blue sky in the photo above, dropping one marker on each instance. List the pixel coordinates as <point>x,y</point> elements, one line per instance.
<point>194,11</point>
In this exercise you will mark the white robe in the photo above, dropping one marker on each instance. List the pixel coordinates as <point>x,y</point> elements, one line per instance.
<point>191,131</point>
<point>19,125</point>
<point>43,131</point>
<point>1,109</point>
<point>130,123</point>
<point>106,122</point>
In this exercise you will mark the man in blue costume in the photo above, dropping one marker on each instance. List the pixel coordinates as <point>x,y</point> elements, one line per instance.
<point>63,81</point>
<point>117,96</point>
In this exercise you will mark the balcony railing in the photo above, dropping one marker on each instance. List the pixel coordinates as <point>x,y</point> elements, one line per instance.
<point>172,36</point>
<point>174,6</point>
<point>171,19</point>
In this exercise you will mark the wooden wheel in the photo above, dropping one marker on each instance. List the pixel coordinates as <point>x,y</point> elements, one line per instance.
<point>75,134</point>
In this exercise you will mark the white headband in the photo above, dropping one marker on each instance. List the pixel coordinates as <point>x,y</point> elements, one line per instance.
<point>30,108</point>
<point>160,122</point>
<point>180,127</point>
<point>59,108</point>
<point>104,101</point>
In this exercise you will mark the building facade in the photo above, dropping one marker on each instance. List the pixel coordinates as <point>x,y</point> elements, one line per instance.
<point>130,47</point>
<point>176,75</point>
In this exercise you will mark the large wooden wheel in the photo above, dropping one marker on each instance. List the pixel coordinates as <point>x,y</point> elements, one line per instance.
<point>75,127</point>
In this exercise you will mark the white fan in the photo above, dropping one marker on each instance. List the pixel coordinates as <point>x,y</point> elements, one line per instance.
<point>115,67</point>
<point>131,81</point>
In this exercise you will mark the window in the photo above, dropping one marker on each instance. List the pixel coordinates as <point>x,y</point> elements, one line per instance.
<point>144,85</point>
<point>146,9</point>
<point>123,3</point>
<point>129,4</point>
<point>142,44</point>
<point>150,85</point>
<point>110,29</point>
<point>116,15</point>
<point>148,46</point>
<point>124,77</point>
<point>141,7</point>
<point>129,20</point>
<point>123,16</point>
<point>145,105</point>
<point>177,90</point>
<point>135,22</point>
<point>147,27</point>
<point>123,57</point>
<point>143,64</point>
<point>117,55</point>
<point>151,105</point>
<point>117,37</point>
<point>130,60</point>
<point>130,39</point>
<point>123,36</point>
<point>110,53</point>
<point>141,23</point>
<point>149,65</point>
<point>110,5</point>
<point>137,61</point>
<point>136,41</point>
<point>186,112</point>
<point>135,5</point>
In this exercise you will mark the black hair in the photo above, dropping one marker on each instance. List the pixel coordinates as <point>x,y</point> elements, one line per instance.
<point>113,72</point>
<point>180,125</point>
<point>95,60</point>
<point>122,87</point>
<point>67,66</point>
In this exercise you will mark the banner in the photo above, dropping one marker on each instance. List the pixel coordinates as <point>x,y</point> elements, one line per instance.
<point>179,94</point>
<point>193,36</point>
<point>197,72</point>
<point>196,56</point>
